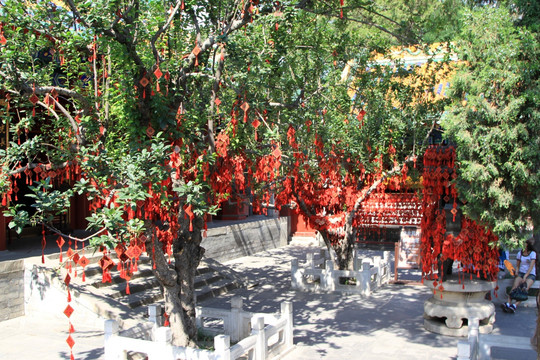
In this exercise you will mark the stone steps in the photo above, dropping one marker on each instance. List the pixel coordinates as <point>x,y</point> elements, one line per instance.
<point>299,240</point>
<point>110,300</point>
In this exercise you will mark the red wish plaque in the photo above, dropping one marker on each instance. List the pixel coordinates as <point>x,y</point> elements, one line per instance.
<point>144,81</point>
<point>134,252</point>
<point>70,341</point>
<point>68,311</point>
<point>83,261</point>
<point>33,99</point>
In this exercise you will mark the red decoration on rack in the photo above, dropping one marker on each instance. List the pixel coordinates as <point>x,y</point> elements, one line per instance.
<point>471,247</point>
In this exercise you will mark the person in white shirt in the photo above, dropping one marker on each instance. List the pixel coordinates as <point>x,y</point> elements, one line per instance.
<point>526,265</point>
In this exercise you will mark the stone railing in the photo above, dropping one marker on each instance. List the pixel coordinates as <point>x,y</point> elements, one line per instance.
<point>478,346</point>
<point>259,336</point>
<point>319,274</point>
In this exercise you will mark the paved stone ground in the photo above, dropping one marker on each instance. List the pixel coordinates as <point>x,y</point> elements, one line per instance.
<point>388,325</point>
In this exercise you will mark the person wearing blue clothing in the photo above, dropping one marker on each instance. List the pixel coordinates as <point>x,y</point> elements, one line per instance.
<point>526,265</point>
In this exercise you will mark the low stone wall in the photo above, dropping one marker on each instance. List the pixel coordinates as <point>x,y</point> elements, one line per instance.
<point>11,289</point>
<point>227,240</point>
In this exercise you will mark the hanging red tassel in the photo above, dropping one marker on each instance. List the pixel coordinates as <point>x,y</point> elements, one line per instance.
<point>166,322</point>
<point>153,255</point>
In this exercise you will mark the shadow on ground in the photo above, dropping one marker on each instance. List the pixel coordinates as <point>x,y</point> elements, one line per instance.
<point>395,311</point>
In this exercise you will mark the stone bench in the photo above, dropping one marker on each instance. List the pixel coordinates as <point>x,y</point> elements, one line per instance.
<point>504,283</point>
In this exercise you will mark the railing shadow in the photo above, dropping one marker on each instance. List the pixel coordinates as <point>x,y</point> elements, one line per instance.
<point>323,318</point>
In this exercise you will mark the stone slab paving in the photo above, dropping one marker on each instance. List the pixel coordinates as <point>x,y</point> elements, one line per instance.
<point>42,336</point>
<point>388,325</point>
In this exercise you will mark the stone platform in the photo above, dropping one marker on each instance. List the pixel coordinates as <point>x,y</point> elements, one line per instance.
<point>449,310</point>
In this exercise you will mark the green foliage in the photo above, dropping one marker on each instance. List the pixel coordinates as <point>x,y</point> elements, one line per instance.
<point>20,218</point>
<point>47,202</point>
<point>286,62</point>
<point>495,122</point>
<point>196,194</point>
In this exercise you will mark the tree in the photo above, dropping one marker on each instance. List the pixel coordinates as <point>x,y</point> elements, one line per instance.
<point>107,85</point>
<point>494,120</point>
<point>348,151</point>
<point>358,152</point>
<point>156,111</point>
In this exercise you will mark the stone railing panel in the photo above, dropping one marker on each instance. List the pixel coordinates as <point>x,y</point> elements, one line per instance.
<point>366,276</point>
<point>265,336</point>
<point>478,346</point>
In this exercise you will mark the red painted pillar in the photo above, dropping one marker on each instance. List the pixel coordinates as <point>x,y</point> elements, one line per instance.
<point>3,232</point>
<point>79,212</point>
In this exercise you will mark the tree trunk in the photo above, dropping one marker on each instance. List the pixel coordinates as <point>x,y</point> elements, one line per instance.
<point>179,284</point>
<point>343,247</point>
<point>181,298</point>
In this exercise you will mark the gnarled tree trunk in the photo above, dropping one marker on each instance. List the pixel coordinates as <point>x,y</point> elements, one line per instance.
<point>343,247</point>
<point>178,283</point>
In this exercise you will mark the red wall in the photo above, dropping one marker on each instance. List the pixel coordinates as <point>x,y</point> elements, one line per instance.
<point>299,224</point>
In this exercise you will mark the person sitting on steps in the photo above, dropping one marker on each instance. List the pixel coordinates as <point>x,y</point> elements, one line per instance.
<point>526,265</point>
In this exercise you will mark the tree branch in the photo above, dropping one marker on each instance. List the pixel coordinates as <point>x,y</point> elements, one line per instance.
<point>70,237</point>
<point>161,269</point>
<point>162,29</point>
<point>72,121</point>
<point>24,89</point>
<point>35,165</point>
<point>303,6</point>
<point>114,32</point>
<point>211,40</point>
